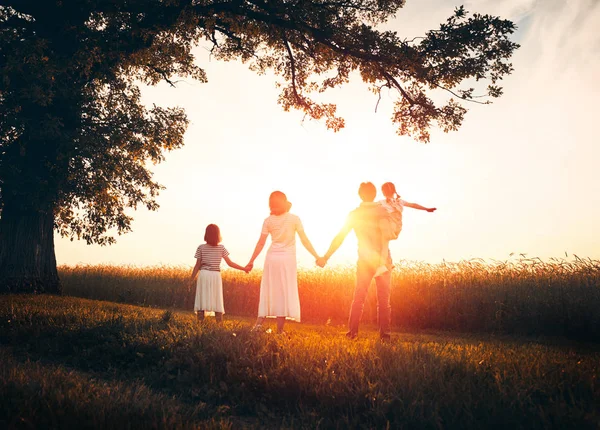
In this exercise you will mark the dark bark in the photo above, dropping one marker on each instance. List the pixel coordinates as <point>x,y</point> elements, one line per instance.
<point>27,259</point>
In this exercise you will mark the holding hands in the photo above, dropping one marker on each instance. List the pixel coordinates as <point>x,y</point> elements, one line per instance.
<point>321,261</point>
<point>430,209</point>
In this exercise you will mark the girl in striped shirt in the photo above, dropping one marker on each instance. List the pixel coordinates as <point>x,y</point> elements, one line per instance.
<point>209,286</point>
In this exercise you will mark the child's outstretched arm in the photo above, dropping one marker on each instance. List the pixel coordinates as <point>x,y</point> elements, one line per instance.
<point>418,206</point>
<point>234,265</point>
<point>259,247</point>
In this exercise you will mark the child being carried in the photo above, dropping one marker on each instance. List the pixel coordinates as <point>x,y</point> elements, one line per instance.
<point>392,225</point>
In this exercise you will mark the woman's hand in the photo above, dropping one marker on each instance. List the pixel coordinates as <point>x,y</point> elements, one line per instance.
<point>430,209</point>
<point>248,267</point>
<point>321,261</point>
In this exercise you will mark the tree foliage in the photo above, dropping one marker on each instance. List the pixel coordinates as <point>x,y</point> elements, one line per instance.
<point>76,140</point>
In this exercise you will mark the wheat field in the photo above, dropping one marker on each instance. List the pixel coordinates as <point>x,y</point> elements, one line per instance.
<point>526,296</point>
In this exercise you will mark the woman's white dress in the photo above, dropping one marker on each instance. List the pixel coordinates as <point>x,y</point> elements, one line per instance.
<point>279,284</point>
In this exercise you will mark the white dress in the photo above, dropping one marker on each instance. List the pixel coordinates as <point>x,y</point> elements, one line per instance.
<point>279,284</point>
<point>209,286</point>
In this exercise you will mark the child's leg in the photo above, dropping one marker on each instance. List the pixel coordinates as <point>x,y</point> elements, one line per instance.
<point>280,324</point>
<point>219,317</point>
<point>200,315</point>
<point>383,258</point>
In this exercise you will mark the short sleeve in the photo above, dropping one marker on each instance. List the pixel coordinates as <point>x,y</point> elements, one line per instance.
<point>198,253</point>
<point>299,226</point>
<point>265,227</point>
<point>224,253</point>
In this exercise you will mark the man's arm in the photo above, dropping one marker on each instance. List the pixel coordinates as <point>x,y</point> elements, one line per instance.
<point>335,244</point>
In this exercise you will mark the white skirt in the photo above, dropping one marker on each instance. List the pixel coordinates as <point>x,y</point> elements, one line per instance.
<point>209,292</point>
<point>279,287</point>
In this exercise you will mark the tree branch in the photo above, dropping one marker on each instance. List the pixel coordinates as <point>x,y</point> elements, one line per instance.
<point>461,97</point>
<point>396,84</point>
<point>379,95</point>
<point>293,69</point>
<point>163,74</point>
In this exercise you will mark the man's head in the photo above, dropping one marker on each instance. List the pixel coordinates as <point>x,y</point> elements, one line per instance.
<point>367,191</point>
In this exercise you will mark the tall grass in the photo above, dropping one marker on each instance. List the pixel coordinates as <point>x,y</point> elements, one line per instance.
<point>526,296</point>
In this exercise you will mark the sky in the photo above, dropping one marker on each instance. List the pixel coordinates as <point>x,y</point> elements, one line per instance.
<point>519,177</point>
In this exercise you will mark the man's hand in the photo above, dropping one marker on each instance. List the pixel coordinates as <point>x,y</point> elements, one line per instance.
<point>321,261</point>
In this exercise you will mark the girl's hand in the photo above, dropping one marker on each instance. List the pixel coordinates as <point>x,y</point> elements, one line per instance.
<point>431,209</point>
<point>248,267</point>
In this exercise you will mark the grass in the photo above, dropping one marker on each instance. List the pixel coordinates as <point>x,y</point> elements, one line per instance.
<point>518,296</point>
<point>76,363</point>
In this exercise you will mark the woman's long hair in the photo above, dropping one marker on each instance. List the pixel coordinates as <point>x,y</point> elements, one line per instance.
<point>278,203</point>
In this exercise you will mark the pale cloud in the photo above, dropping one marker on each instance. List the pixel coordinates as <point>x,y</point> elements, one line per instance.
<point>509,9</point>
<point>565,35</point>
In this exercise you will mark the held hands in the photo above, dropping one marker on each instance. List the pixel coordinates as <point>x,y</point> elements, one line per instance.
<point>321,261</point>
<point>248,267</point>
<point>430,209</point>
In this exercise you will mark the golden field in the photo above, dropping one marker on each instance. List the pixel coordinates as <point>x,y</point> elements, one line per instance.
<point>521,296</point>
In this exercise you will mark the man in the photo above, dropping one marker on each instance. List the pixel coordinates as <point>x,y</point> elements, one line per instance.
<point>365,221</point>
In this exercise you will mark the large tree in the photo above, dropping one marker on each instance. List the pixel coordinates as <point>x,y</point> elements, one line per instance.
<point>75,140</point>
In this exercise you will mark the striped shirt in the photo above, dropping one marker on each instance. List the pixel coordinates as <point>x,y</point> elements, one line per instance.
<point>210,256</point>
<point>282,229</point>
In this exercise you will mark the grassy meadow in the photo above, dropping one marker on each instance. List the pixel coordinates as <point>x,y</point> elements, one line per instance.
<point>519,296</point>
<point>75,363</point>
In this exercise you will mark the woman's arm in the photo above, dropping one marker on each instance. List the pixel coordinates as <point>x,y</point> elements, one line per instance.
<point>259,247</point>
<point>307,244</point>
<point>417,206</point>
<point>234,265</point>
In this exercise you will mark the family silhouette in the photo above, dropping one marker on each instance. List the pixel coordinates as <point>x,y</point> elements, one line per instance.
<point>374,223</point>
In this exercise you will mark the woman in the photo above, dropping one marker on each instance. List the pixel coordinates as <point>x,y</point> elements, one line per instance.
<point>279,283</point>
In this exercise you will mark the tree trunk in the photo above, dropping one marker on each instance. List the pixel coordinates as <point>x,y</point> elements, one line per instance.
<point>27,260</point>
